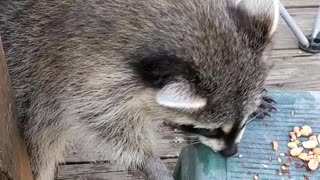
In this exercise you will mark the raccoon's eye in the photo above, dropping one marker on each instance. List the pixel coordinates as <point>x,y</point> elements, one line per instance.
<point>211,133</point>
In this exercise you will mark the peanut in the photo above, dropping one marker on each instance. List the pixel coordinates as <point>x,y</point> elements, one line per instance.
<point>293,136</point>
<point>296,130</point>
<point>304,157</point>
<point>309,144</point>
<point>306,131</point>
<point>292,145</point>
<point>316,151</point>
<point>296,151</point>
<point>275,145</point>
<point>313,164</point>
<point>313,138</point>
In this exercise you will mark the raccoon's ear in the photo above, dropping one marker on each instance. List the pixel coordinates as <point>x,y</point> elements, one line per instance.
<point>180,96</point>
<point>256,21</point>
<point>266,12</point>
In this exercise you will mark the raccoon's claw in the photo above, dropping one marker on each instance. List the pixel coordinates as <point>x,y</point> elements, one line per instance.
<point>268,100</point>
<point>265,108</point>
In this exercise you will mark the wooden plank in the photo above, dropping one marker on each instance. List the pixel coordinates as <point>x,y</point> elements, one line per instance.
<point>294,70</point>
<point>103,171</point>
<point>14,163</point>
<point>300,3</point>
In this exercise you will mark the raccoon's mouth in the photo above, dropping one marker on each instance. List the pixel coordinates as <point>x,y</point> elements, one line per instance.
<point>210,136</point>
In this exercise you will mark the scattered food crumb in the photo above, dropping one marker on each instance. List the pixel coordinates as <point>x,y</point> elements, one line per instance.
<point>275,145</point>
<point>307,151</point>
<point>287,164</point>
<point>255,177</point>
<point>265,166</point>
<point>240,155</point>
<point>292,113</point>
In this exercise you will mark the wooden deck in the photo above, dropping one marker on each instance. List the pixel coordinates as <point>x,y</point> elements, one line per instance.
<point>294,71</point>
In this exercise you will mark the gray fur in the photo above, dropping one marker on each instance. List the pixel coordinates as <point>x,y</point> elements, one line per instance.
<point>70,63</point>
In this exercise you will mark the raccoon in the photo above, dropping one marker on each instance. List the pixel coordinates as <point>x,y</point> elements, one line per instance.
<point>108,72</point>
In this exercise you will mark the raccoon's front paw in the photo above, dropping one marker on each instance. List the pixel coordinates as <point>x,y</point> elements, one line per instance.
<point>265,108</point>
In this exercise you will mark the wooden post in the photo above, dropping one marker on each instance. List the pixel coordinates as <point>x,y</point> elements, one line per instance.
<point>14,163</point>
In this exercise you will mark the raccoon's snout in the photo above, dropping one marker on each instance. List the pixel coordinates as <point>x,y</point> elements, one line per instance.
<point>230,151</point>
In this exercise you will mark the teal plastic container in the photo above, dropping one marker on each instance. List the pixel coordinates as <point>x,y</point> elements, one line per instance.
<point>199,162</point>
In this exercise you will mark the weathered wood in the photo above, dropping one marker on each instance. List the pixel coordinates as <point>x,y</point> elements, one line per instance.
<point>14,164</point>
<point>294,70</point>
<point>300,3</point>
<point>103,171</point>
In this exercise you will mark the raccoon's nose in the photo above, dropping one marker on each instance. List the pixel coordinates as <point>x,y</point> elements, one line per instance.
<point>230,151</point>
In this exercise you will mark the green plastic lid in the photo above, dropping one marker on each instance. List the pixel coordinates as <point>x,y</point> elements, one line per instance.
<point>199,162</point>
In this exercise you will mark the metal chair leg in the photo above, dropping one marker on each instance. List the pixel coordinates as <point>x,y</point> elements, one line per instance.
<point>310,43</point>
<point>294,27</point>
<point>316,28</point>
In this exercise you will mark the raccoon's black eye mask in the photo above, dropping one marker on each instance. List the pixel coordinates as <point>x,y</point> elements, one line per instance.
<point>209,133</point>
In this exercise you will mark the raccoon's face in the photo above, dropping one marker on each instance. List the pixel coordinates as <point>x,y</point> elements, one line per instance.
<point>213,79</point>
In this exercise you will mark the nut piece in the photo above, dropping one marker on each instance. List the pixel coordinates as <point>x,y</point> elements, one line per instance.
<point>293,136</point>
<point>316,151</point>
<point>306,131</point>
<point>296,151</point>
<point>292,145</point>
<point>296,130</point>
<point>309,144</point>
<point>255,177</point>
<point>283,168</point>
<point>275,145</point>
<point>313,138</point>
<point>304,157</point>
<point>313,164</point>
